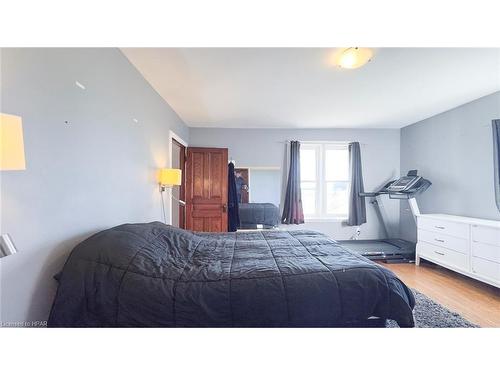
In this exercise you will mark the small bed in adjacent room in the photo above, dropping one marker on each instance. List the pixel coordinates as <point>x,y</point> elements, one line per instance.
<point>154,275</point>
<point>258,215</point>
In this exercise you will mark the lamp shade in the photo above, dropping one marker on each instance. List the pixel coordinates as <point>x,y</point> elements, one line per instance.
<point>11,143</point>
<point>170,176</point>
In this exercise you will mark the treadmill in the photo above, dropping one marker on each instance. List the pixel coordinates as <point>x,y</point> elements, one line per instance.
<point>391,250</point>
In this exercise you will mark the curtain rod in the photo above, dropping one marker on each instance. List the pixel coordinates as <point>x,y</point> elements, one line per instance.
<point>325,142</point>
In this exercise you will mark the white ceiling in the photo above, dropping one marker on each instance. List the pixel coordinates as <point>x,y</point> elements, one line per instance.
<point>302,88</point>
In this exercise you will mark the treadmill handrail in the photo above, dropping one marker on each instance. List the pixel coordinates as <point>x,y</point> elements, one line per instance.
<point>422,186</point>
<point>369,194</point>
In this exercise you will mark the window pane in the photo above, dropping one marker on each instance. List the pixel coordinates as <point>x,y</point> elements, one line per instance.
<point>308,164</point>
<point>308,197</point>
<point>336,198</point>
<point>309,202</point>
<point>337,165</point>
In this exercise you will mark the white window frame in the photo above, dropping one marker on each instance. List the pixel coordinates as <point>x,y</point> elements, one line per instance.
<point>320,149</point>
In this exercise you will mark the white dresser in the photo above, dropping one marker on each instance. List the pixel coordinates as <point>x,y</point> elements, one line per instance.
<point>463,244</point>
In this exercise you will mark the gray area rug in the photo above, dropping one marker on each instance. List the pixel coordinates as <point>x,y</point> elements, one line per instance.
<point>430,314</point>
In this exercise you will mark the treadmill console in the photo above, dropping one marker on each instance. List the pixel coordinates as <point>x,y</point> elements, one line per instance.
<point>403,188</point>
<point>403,184</point>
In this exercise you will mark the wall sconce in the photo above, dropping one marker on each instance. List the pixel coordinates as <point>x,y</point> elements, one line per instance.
<point>11,159</point>
<point>7,246</point>
<point>167,179</point>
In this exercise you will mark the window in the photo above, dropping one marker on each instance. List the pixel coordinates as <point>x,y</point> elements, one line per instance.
<point>324,175</point>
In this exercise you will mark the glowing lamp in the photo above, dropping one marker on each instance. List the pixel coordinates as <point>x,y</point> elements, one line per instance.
<point>11,143</point>
<point>170,177</point>
<point>167,179</point>
<point>11,159</point>
<point>355,57</point>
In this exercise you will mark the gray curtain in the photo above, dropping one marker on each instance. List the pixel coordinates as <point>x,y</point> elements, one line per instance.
<point>357,206</point>
<point>496,155</point>
<point>292,207</point>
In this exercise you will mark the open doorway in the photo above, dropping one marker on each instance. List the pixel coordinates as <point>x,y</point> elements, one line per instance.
<point>178,158</point>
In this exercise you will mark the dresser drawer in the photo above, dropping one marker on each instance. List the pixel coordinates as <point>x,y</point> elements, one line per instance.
<point>440,239</point>
<point>485,268</point>
<point>486,235</point>
<point>485,251</point>
<point>442,255</point>
<point>442,226</point>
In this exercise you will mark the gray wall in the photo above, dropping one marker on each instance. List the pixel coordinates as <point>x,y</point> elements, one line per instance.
<point>266,148</point>
<point>96,172</point>
<point>455,151</point>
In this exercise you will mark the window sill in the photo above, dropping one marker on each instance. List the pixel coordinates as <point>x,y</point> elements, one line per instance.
<point>324,219</point>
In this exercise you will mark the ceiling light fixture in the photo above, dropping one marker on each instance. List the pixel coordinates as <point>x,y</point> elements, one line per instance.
<point>355,57</point>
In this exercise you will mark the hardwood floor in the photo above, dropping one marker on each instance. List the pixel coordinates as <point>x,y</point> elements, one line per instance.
<point>477,302</point>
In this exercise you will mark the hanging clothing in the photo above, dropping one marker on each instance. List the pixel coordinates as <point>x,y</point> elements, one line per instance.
<point>233,215</point>
<point>292,208</point>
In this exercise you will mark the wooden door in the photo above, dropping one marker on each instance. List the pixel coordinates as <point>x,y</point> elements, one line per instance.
<point>206,189</point>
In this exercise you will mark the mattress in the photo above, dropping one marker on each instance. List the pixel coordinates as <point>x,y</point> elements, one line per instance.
<point>155,275</point>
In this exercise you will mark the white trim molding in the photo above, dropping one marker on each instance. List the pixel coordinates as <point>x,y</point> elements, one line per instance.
<point>172,135</point>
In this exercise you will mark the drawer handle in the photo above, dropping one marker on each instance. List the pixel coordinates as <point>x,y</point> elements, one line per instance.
<point>437,252</point>
<point>439,227</point>
<point>438,240</point>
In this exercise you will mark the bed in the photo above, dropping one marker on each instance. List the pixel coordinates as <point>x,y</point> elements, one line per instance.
<point>258,215</point>
<point>155,275</point>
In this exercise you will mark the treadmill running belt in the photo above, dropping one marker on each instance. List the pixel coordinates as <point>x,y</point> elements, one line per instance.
<point>382,249</point>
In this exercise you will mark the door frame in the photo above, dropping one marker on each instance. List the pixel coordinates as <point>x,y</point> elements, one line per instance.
<point>172,136</point>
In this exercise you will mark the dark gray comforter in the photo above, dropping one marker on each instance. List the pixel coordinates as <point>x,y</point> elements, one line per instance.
<point>253,214</point>
<point>154,275</point>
